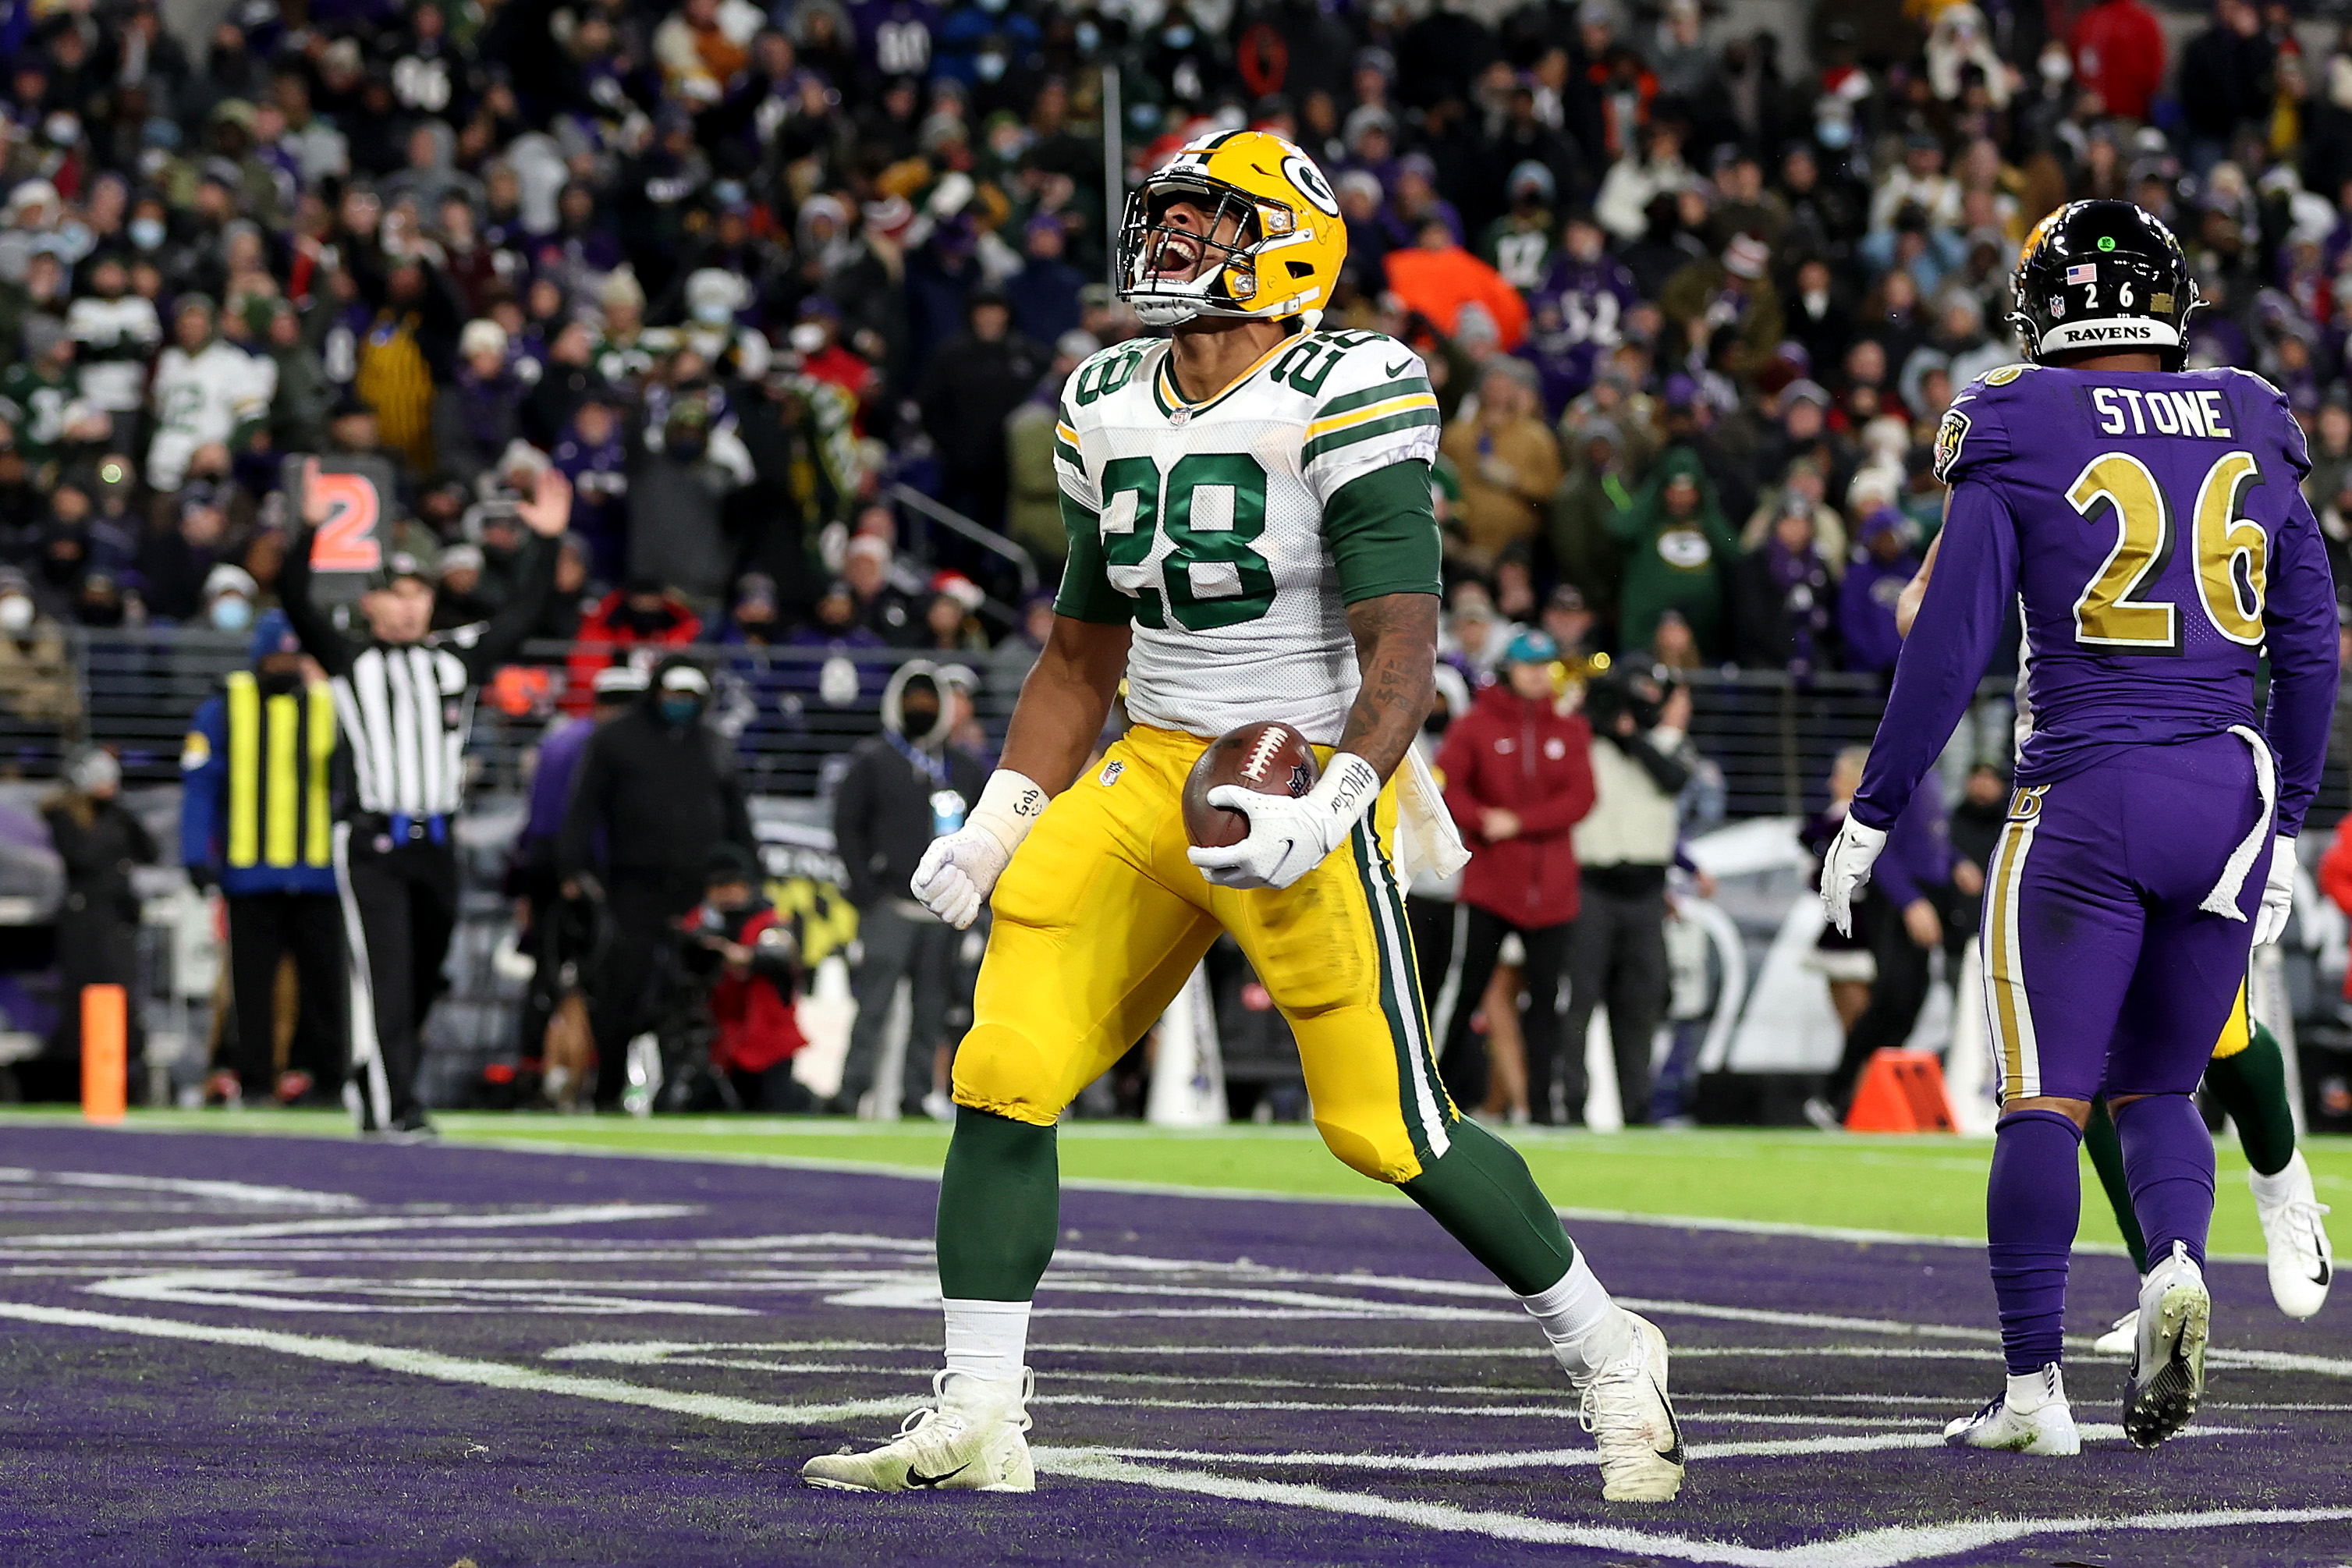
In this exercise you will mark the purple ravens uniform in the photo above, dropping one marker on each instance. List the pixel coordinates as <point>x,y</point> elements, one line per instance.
<point>2151,527</point>
<point>1574,319</point>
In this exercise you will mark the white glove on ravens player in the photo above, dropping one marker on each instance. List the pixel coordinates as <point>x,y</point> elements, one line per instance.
<point>1846,869</point>
<point>957,872</point>
<point>2278,894</point>
<point>1289,837</point>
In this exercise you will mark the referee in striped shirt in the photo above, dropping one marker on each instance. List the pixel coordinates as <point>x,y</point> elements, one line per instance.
<point>405,699</point>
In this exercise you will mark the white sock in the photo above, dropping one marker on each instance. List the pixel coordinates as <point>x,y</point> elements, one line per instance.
<point>2034,1390</point>
<point>1586,1329</point>
<point>2278,1185</point>
<point>988,1339</point>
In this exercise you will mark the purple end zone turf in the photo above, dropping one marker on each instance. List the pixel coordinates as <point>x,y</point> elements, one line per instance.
<point>223,1350</point>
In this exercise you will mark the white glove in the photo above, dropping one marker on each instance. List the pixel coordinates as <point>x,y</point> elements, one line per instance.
<point>2278,894</point>
<point>958,872</point>
<point>1289,837</point>
<point>1846,869</point>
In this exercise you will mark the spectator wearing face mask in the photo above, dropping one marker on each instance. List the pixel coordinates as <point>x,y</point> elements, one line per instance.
<point>656,793</point>
<point>904,788</point>
<point>259,770</point>
<point>36,681</point>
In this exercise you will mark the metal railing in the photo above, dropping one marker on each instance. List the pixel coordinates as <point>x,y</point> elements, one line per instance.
<point>796,713</point>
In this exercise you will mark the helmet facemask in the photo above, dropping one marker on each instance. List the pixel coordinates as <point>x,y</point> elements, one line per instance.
<point>1222,259</point>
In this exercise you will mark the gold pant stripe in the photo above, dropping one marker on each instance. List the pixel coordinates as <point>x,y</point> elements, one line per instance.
<point>2006,1002</point>
<point>318,822</point>
<point>1401,994</point>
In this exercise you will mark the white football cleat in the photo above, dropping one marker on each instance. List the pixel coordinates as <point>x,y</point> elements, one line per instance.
<point>972,1440</point>
<point>1632,1421</point>
<point>2167,1373</point>
<point>2301,1261</point>
<point>2029,1416</point>
<point>2120,1339</point>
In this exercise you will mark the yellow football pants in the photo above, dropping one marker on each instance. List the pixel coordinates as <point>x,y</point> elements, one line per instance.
<point>1099,920</point>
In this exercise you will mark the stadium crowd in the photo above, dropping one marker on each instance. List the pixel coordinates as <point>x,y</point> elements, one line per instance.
<point>745,277</point>
<point>1691,317</point>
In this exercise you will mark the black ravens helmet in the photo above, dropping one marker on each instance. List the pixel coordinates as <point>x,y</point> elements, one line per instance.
<point>2103,275</point>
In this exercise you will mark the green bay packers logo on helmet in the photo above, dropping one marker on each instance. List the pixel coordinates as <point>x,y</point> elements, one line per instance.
<point>1236,223</point>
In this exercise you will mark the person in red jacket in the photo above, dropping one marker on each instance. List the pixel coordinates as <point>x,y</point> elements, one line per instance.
<point>749,954</point>
<point>2119,54</point>
<point>1518,775</point>
<point>642,613</point>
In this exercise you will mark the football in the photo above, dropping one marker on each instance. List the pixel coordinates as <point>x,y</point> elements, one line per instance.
<point>1271,758</point>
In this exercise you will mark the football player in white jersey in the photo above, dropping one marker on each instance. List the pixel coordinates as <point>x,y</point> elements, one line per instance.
<point>1251,538</point>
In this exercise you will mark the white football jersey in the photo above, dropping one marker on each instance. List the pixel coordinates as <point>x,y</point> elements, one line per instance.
<point>1220,530</point>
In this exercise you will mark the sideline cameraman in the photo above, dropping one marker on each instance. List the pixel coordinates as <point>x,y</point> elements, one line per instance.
<point>748,955</point>
<point>658,791</point>
<point>1617,953</point>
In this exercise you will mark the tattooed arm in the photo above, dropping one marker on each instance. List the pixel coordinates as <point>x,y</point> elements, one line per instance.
<point>1396,649</point>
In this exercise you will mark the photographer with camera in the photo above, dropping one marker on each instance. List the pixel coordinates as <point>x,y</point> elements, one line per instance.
<point>1617,951</point>
<point>656,792</point>
<point>745,956</point>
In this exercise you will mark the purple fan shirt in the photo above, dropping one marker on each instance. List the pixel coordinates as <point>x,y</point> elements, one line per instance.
<point>1574,317</point>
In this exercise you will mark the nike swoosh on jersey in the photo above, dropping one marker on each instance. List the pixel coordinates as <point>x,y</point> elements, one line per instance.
<point>915,1477</point>
<point>1397,369</point>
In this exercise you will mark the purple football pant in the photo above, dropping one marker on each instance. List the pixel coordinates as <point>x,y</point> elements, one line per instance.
<point>2101,972</point>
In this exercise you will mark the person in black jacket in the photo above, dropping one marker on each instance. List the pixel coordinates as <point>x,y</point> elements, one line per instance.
<point>657,792</point>
<point>976,379</point>
<point>904,788</point>
<point>97,926</point>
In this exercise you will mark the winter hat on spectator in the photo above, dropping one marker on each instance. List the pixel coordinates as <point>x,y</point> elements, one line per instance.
<point>1531,647</point>
<point>621,683</point>
<point>1884,519</point>
<point>94,770</point>
<point>482,337</point>
<point>1746,257</point>
<point>1369,117</point>
<point>959,587</point>
<point>621,289</point>
<point>890,217</point>
<point>1373,57</point>
<point>461,558</point>
<point>272,633</point>
<point>1530,176</point>
<point>1804,391</point>
<point>1360,183</point>
<point>224,578</point>
<point>1077,343</point>
<point>730,862</point>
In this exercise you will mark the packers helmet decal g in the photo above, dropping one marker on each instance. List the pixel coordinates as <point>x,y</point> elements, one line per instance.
<point>1266,244</point>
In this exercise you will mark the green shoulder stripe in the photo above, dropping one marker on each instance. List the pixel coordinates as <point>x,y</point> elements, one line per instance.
<point>1410,419</point>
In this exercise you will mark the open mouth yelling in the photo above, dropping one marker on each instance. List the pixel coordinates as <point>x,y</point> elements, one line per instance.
<point>1177,256</point>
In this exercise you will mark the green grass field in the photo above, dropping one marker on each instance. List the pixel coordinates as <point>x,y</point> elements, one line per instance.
<point>1911,1186</point>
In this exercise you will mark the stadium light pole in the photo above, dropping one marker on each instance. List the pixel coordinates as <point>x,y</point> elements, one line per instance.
<point>1114,173</point>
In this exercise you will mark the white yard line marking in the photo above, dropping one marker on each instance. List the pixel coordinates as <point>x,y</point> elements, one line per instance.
<point>455,1369</point>
<point>230,1192</point>
<point>1470,1463</point>
<point>571,1213</point>
<point>1871,1549</point>
<point>265,1291</point>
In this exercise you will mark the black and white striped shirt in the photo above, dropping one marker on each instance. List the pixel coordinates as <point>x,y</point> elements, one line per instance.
<point>406,712</point>
<point>406,708</point>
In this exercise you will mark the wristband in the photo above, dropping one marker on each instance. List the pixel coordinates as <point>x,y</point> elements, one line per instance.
<point>1010,805</point>
<point>1346,790</point>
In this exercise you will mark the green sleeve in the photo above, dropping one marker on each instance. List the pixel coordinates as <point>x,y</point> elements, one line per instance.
<point>1085,594</point>
<point>1383,533</point>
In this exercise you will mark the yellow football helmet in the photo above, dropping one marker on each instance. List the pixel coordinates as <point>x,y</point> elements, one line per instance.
<point>1274,242</point>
